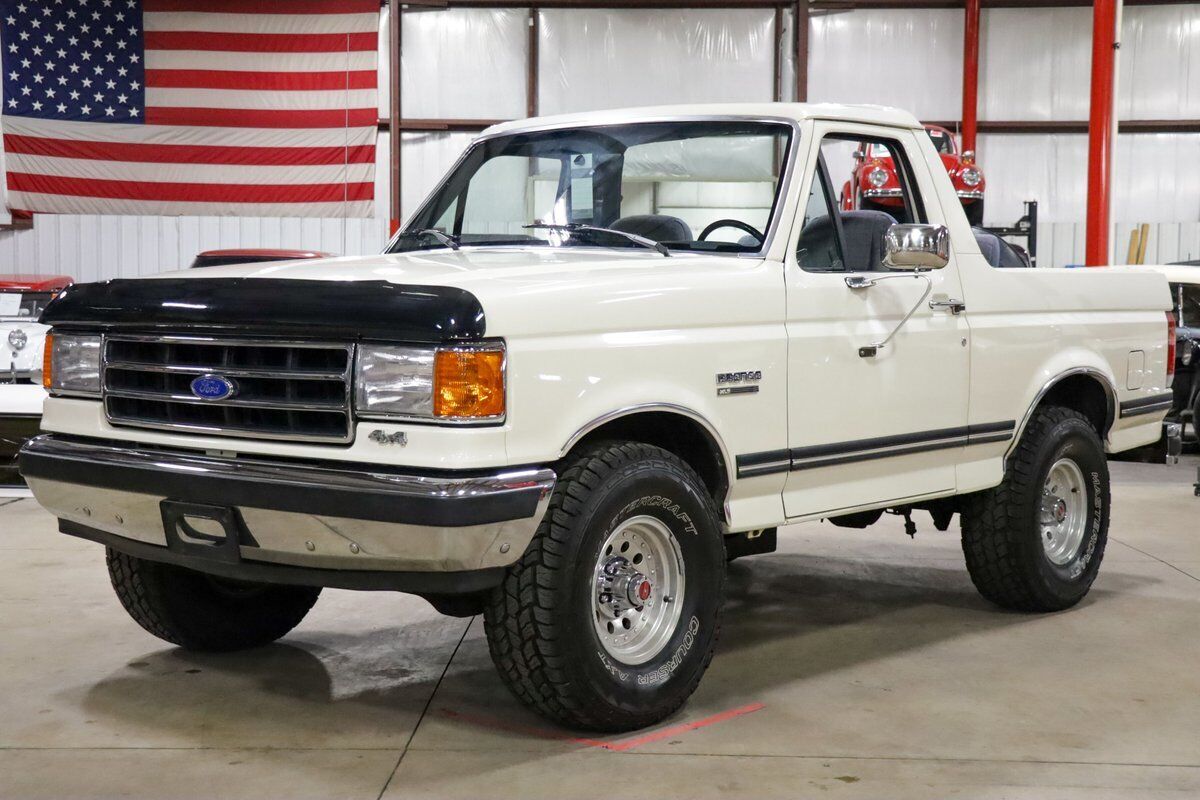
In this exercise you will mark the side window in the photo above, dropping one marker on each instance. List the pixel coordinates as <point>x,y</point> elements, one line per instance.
<point>1188,314</point>
<point>877,191</point>
<point>820,247</point>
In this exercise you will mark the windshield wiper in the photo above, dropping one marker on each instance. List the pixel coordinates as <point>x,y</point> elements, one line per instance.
<point>579,227</point>
<point>444,238</point>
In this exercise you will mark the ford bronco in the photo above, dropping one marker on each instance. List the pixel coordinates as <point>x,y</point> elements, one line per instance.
<point>608,353</point>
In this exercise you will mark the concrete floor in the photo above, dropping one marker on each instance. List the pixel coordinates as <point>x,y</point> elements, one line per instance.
<point>852,665</point>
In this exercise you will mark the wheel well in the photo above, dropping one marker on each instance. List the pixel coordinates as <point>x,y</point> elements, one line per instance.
<point>1085,394</point>
<point>675,433</point>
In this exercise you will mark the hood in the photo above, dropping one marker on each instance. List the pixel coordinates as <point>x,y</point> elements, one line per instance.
<point>440,295</point>
<point>469,267</point>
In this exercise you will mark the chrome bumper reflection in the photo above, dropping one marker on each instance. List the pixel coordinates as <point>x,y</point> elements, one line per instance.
<point>353,517</point>
<point>1173,437</point>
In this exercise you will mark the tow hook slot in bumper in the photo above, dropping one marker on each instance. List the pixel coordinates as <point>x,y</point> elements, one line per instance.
<point>187,536</point>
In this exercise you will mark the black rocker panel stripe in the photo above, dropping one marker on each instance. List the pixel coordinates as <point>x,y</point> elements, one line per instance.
<point>1147,405</point>
<point>764,463</point>
<point>346,310</point>
<point>825,455</point>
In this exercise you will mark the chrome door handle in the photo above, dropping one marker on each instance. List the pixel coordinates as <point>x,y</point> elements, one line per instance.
<point>954,306</point>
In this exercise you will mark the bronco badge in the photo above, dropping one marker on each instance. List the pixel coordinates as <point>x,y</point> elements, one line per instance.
<point>737,382</point>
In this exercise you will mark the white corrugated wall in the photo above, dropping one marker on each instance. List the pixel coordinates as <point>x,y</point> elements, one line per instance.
<point>469,64</point>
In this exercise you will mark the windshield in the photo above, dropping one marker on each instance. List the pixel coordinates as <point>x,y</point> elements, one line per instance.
<point>28,305</point>
<point>706,186</point>
<point>942,141</point>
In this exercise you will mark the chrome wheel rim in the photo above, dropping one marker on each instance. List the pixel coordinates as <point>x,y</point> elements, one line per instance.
<point>637,592</point>
<point>1062,517</point>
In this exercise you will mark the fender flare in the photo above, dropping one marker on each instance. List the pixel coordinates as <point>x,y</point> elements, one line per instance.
<point>1106,382</point>
<point>642,408</point>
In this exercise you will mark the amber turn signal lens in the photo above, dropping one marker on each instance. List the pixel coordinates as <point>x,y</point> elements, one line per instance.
<point>48,362</point>
<point>468,384</point>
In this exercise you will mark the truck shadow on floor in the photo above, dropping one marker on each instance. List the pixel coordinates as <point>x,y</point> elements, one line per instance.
<point>789,618</point>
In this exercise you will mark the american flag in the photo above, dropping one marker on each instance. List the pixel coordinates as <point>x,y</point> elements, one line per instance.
<point>206,107</point>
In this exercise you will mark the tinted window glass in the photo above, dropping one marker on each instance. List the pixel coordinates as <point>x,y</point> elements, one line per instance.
<point>1189,309</point>
<point>876,192</point>
<point>819,248</point>
<point>704,186</point>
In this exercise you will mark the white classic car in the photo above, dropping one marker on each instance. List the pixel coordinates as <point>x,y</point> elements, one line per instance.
<point>22,298</point>
<point>609,352</point>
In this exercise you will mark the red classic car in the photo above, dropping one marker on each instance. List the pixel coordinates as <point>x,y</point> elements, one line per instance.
<point>873,184</point>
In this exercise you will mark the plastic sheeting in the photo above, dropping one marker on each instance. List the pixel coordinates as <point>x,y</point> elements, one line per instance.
<point>1037,63</point>
<point>911,59</point>
<point>596,58</point>
<point>1148,183</point>
<point>470,63</point>
<point>464,63</point>
<point>1160,63</point>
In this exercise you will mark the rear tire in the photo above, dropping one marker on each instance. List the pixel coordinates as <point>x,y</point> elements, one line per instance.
<point>1035,542</point>
<point>204,613</point>
<point>620,513</point>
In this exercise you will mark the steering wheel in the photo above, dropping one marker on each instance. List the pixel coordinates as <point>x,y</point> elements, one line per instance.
<point>731,223</point>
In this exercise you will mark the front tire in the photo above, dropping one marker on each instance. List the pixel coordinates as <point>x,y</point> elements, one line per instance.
<point>204,613</point>
<point>611,616</point>
<point>1035,542</point>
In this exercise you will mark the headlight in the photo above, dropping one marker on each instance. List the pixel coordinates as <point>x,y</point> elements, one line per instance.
<point>71,364</point>
<point>17,339</point>
<point>877,177</point>
<point>970,176</point>
<point>447,383</point>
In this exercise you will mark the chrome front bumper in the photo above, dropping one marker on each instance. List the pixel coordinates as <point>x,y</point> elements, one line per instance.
<point>354,526</point>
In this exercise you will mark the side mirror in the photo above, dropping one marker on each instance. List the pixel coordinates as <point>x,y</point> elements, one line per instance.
<point>859,155</point>
<point>916,247</point>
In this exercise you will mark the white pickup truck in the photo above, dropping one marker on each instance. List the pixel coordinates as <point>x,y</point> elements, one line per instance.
<point>610,352</point>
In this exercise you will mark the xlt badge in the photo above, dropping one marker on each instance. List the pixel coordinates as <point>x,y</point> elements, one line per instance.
<point>737,382</point>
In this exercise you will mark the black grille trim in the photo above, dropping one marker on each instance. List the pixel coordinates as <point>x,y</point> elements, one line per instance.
<point>288,391</point>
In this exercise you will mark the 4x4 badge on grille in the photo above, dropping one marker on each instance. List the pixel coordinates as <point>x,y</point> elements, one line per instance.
<point>213,387</point>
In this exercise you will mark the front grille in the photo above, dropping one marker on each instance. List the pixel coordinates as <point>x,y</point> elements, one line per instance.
<point>282,390</point>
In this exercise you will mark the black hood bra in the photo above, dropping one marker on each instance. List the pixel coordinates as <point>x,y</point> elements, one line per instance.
<point>307,309</point>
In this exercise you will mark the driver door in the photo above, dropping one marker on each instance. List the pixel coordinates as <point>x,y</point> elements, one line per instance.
<point>869,431</point>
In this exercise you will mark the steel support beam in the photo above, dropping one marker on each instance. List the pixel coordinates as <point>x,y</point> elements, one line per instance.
<point>396,126</point>
<point>970,88</point>
<point>800,20</point>
<point>1100,132</point>
<point>532,58</point>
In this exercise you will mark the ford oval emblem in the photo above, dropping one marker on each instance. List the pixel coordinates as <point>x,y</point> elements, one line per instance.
<point>213,387</point>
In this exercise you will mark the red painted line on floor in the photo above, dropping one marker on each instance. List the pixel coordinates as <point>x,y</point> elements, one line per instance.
<point>619,746</point>
<point>666,733</point>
